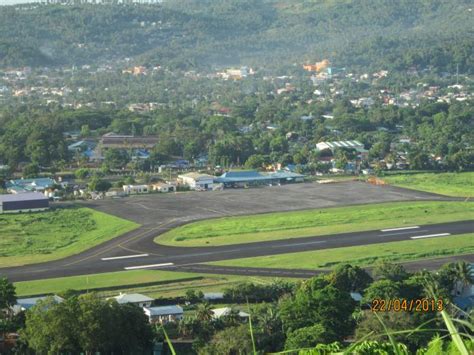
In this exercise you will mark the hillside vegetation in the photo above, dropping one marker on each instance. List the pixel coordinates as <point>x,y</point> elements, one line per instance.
<point>190,33</point>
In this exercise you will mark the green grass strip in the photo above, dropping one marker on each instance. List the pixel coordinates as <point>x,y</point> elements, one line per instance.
<point>283,225</point>
<point>365,255</point>
<point>449,184</point>
<point>44,236</point>
<point>96,281</point>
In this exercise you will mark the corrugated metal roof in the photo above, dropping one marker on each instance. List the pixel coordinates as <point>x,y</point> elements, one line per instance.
<point>26,196</point>
<point>164,310</point>
<point>132,298</point>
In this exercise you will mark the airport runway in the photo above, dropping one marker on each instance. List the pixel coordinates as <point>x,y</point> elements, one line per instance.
<point>136,251</point>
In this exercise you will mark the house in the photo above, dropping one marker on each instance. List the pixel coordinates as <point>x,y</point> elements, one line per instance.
<point>197,181</point>
<point>133,298</point>
<point>24,202</point>
<point>135,189</point>
<point>162,187</point>
<point>355,145</point>
<point>164,314</point>
<point>226,311</point>
<point>29,185</point>
<point>210,296</point>
<point>24,304</point>
<point>117,141</point>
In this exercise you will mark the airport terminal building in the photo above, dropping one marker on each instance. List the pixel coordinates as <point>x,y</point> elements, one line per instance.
<point>23,202</point>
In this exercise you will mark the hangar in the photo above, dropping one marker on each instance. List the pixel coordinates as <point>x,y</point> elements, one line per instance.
<point>255,178</point>
<point>24,202</point>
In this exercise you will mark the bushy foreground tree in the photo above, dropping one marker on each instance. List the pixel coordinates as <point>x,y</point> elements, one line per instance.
<point>87,324</point>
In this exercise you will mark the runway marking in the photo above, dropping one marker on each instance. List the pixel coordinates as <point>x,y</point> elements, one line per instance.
<point>297,244</point>
<point>431,235</point>
<point>124,257</point>
<point>401,233</point>
<point>398,229</point>
<point>147,266</point>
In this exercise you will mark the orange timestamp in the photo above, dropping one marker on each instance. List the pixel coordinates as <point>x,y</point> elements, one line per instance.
<point>405,305</point>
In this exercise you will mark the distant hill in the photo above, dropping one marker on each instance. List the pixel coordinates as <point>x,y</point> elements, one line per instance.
<point>272,33</point>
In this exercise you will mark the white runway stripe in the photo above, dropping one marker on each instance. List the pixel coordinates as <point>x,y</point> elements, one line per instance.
<point>147,266</point>
<point>398,229</point>
<point>431,235</point>
<point>124,257</point>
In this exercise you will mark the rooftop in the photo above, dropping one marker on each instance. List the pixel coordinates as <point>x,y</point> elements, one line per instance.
<point>222,312</point>
<point>339,144</point>
<point>132,298</point>
<point>27,303</point>
<point>196,176</point>
<point>164,310</point>
<point>26,196</point>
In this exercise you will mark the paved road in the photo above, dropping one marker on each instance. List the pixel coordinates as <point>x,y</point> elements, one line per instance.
<point>136,250</point>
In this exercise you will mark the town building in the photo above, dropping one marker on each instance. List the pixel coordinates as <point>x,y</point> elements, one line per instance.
<point>136,189</point>
<point>226,311</point>
<point>24,304</point>
<point>24,202</point>
<point>354,145</point>
<point>164,314</point>
<point>255,178</point>
<point>29,185</point>
<point>133,298</point>
<point>197,181</point>
<point>118,141</point>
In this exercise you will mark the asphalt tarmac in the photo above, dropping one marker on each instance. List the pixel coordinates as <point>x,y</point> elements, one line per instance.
<point>159,213</point>
<point>147,255</point>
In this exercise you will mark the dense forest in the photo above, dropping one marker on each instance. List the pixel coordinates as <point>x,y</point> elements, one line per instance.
<point>268,33</point>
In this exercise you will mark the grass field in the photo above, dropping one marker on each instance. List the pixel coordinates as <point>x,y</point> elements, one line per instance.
<point>449,184</point>
<point>282,225</point>
<point>155,283</point>
<point>54,234</point>
<point>363,255</point>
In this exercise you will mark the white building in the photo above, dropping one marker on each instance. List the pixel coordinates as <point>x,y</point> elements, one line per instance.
<point>136,189</point>
<point>164,314</point>
<point>223,312</point>
<point>197,181</point>
<point>133,298</point>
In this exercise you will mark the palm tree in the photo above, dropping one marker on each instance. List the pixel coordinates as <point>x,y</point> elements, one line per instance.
<point>204,312</point>
<point>464,273</point>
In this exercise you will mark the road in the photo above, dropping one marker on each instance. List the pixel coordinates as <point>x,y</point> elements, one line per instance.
<point>136,250</point>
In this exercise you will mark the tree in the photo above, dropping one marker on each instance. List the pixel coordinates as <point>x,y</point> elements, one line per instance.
<point>7,293</point>
<point>31,170</point>
<point>96,184</point>
<point>116,158</point>
<point>327,306</point>
<point>384,290</point>
<point>389,271</point>
<point>307,337</point>
<point>82,173</point>
<point>349,278</point>
<point>204,312</point>
<point>232,341</point>
<point>255,161</point>
<point>87,324</point>
<point>85,131</point>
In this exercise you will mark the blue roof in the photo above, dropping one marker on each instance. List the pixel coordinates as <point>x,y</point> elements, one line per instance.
<point>465,303</point>
<point>248,176</point>
<point>30,184</point>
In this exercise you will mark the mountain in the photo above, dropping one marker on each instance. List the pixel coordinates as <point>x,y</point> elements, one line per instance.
<point>267,33</point>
